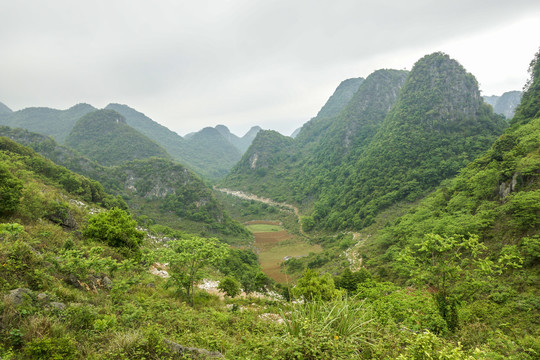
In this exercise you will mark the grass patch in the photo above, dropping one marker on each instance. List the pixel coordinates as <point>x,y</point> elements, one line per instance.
<point>263,228</point>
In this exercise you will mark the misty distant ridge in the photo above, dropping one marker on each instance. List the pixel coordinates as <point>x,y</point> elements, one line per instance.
<point>505,104</point>
<point>211,152</point>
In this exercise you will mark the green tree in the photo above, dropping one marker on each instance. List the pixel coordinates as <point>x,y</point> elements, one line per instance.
<point>454,268</point>
<point>188,257</point>
<point>308,223</point>
<point>349,280</point>
<point>312,286</point>
<point>229,286</point>
<point>116,228</point>
<point>10,191</point>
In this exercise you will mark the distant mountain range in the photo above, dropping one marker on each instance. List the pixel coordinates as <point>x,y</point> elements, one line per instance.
<point>395,137</point>
<point>505,104</point>
<point>210,153</point>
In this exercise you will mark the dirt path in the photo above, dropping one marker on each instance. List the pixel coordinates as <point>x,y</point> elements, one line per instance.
<point>248,196</point>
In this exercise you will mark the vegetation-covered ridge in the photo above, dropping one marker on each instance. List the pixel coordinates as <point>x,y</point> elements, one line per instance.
<point>295,170</point>
<point>46,121</point>
<point>147,185</point>
<point>105,137</point>
<point>438,124</point>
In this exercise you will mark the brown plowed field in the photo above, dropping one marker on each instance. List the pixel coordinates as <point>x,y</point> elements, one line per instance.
<point>273,246</point>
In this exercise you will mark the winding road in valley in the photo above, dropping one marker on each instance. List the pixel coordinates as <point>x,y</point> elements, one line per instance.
<point>354,259</point>
<point>248,196</point>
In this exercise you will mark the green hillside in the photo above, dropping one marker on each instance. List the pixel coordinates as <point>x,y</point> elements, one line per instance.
<point>445,263</point>
<point>169,140</point>
<point>209,153</point>
<point>46,121</point>
<point>438,124</point>
<point>333,106</point>
<point>297,170</point>
<point>104,136</point>
<point>4,110</point>
<point>399,135</point>
<point>267,166</point>
<point>74,278</point>
<point>157,189</point>
<point>241,143</point>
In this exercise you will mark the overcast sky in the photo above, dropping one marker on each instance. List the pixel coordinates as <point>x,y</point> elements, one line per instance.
<point>191,64</point>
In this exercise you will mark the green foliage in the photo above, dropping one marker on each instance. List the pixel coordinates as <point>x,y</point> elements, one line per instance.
<point>529,108</point>
<point>350,280</point>
<point>531,247</point>
<point>524,207</point>
<point>11,229</point>
<point>243,265</point>
<point>229,286</point>
<point>427,346</point>
<point>104,136</point>
<point>453,267</point>
<point>116,228</point>
<point>307,223</point>
<point>10,191</point>
<point>314,286</point>
<point>334,329</point>
<point>63,348</point>
<point>188,257</point>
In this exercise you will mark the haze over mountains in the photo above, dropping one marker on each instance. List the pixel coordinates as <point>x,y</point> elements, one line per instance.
<point>417,199</point>
<point>505,104</point>
<point>397,137</point>
<point>211,153</point>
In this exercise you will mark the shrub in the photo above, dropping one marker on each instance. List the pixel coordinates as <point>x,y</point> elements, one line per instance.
<point>314,286</point>
<point>229,286</point>
<point>116,228</point>
<point>63,348</point>
<point>10,191</point>
<point>326,329</point>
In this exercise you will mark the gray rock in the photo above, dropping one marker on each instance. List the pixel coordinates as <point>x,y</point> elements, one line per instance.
<point>18,296</point>
<point>107,283</point>
<point>43,297</point>
<point>194,353</point>
<point>57,306</point>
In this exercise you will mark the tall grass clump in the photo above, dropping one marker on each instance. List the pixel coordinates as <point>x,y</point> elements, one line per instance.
<point>338,328</point>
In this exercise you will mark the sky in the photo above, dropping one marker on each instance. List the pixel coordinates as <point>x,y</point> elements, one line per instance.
<point>241,63</point>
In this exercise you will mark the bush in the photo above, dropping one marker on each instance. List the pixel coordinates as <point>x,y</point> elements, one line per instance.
<point>333,329</point>
<point>63,348</point>
<point>313,286</point>
<point>10,191</point>
<point>116,228</point>
<point>229,286</point>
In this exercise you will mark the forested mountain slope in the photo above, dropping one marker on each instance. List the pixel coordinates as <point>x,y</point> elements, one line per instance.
<point>4,109</point>
<point>304,164</point>
<point>210,156</point>
<point>47,121</point>
<point>159,189</point>
<point>438,124</point>
<point>241,143</point>
<point>204,152</point>
<point>311,130</point>
<point>212,153</point>
<point>104,136</point>
<point>169,140</point>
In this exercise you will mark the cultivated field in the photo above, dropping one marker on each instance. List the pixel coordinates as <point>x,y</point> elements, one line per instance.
<point>273,244</point>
